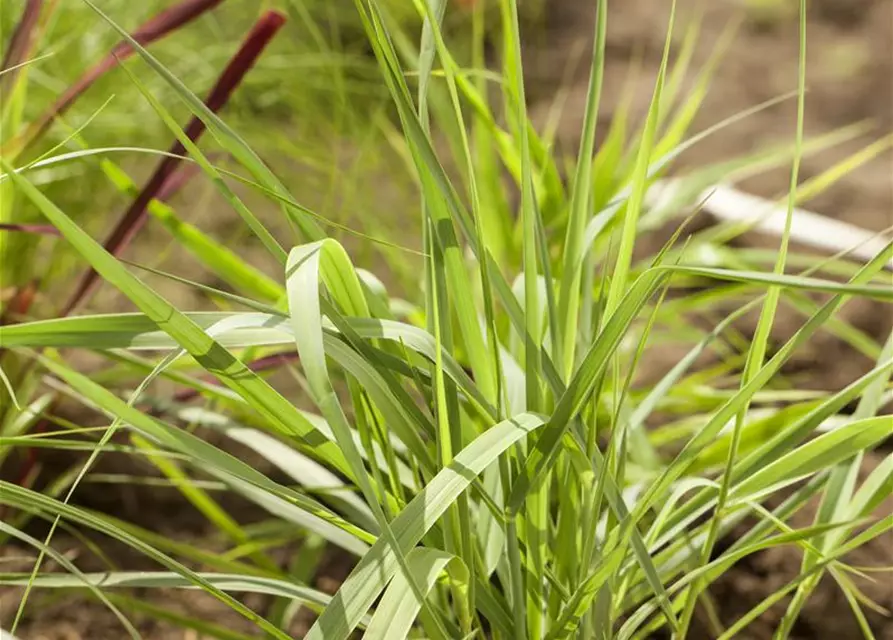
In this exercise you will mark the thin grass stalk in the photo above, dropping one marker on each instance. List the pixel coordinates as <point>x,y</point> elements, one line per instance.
<point>571,293</point>
<point>639,180</point>
<point>489,311</point>
<point>437,307</point>
<point>37,229</point>
<point>494,210</point>
<point>835,504</point>
<point>757,353</point>
<point>459,520</point>
<point>604,604</point>
<point>581,201</point>
<point>536,529</point>
<point>591,492</point>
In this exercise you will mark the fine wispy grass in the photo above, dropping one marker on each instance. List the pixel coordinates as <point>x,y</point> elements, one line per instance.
<point>485,448</point>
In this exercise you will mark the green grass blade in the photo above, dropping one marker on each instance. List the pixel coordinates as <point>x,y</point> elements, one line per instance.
<point>581,198</point>
<point>25,498</point>
<point>398,608</point>
<point>79,578</point>
<point>173,580</point>
<point>224,466</point>
<point>207,352</point>
<point>571,402</point>
<point>821,453</point>
<point>881,293</point>
<point>376,568</point>
<point>639,183</point>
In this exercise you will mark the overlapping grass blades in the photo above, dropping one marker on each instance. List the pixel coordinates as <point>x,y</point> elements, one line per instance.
<point>485,449</point>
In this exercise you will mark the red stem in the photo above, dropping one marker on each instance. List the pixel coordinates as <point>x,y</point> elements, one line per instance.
<point>40,229</point>
<point>22,40</point>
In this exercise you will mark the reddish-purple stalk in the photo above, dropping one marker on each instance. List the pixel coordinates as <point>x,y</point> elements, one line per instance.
<point>177,180</point>
<point>40,229</point>
<point>135,216</point>
<point>21,43</point>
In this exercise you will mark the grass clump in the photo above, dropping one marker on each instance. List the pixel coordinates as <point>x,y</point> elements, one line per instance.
<point>484,448</point>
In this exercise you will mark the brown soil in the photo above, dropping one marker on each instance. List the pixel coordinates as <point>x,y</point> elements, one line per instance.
<point>850,79</point>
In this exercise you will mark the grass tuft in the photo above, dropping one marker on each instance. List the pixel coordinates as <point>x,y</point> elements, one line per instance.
<point>487,444</point>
